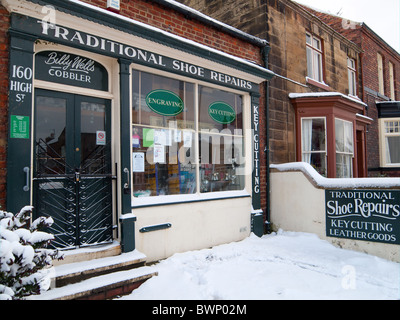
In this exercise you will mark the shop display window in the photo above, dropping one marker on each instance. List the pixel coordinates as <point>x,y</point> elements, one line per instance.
<point>221,140</point>
<point>186,138</point>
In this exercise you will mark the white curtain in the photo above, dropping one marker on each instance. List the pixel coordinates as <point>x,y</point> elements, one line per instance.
<point>306,140</point>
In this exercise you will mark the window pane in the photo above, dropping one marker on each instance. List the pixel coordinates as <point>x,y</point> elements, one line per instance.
<point>352,82</point>
<point>144,83</point>
<point>393,149</point>
<point>343,166</point>
<point>316,44</point>
<point>211,114</point>
<point>317,161</point>
<point>308,39</point>
<point>313,134</point>
<point>309,64</point>
<point>50,135</point>
<point>348,134</point>
<point>339,129</point>
<point>317,66</point>
<point>221,140</point>
<point>344,136</point>
<point>163,148</point>
<point>222,163</point>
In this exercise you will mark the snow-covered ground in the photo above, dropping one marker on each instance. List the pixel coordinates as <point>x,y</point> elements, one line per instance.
<point>283,265</point>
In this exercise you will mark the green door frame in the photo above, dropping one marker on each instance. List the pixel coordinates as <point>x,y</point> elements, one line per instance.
<point>82,188</point>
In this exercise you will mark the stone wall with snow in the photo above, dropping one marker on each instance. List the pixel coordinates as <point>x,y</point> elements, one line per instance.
<point>298,204</point>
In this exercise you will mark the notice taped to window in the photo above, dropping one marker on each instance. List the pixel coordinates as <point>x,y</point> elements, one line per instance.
<point>368,215</point>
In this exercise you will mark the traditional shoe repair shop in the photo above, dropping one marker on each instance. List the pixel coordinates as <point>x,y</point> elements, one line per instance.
<point>107,119</point>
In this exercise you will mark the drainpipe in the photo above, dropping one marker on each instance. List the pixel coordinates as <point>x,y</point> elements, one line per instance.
<point>265,52</point>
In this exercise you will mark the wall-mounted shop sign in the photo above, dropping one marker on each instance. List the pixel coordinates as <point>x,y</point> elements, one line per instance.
<point>164,102</point>
<point>114,5</point>
<point>66,68</point>
<point>85,41</point>
<point>221,112</point>
<point>369,215</point>
<point>256,174</point>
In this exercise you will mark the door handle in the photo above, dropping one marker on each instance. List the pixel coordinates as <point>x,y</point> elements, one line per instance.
<point>126,184</point>
<point>27,176</point>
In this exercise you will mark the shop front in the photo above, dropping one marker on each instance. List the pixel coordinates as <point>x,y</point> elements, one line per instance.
<point>120,131</point>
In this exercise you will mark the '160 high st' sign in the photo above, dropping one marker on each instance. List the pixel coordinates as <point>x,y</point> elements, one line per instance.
<point>368,215</point>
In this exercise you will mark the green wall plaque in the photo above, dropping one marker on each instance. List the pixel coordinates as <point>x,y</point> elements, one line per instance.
<point>19,127</point>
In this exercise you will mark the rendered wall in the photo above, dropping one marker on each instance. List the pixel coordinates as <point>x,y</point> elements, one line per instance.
<point>195,225</point>
<point>298,204</point>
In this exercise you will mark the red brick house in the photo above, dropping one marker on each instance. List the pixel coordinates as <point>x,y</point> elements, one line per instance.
<point>380,90</point>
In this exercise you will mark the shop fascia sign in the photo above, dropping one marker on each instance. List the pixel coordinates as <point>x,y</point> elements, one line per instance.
<point>367,215</point>
<point>83,40</point>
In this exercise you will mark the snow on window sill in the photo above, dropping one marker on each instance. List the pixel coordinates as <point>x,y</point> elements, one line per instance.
<point>318,84</point>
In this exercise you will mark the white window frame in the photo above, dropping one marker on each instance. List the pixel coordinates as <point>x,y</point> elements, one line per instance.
<point>314,58</point>
<point>344,153</point>
<point>307,153</point>
<point>352,75</point>
<point>389,127</point>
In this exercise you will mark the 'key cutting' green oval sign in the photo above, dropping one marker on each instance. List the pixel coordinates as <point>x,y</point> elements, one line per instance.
<point>164,102</point>
<point>222,112</point>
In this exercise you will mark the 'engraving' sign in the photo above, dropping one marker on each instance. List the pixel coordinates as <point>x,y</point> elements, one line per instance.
<point>164,102</point>
<point>368,215</point>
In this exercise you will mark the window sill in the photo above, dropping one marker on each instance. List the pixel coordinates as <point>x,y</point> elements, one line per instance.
<point>318,84</point>
<point>141,202</point>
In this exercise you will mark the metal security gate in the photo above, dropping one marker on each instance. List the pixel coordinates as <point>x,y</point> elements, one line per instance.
<point>72,175</point>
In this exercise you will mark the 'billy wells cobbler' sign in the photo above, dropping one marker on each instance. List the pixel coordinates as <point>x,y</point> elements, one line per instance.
<point>369,215</point>
<point>66,68</point>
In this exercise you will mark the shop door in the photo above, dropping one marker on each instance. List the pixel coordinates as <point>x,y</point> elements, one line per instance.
<point>72,175</point>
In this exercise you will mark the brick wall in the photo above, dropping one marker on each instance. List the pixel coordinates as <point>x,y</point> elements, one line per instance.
<point>169,20</point>
<point>372,44</point>
<point>4,45</point>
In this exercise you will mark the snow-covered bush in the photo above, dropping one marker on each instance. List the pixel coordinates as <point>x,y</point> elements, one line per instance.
<point>24,257</point>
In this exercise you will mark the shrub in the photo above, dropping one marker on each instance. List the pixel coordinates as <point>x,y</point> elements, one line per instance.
<point>24,258</point>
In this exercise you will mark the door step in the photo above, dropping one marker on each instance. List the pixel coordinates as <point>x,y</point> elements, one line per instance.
<point>98,279</point>
<point>89,253</point>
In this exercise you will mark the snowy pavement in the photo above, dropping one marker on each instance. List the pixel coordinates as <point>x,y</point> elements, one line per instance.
<point>283,265</point>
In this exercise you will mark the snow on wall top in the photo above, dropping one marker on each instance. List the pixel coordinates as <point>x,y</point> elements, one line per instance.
<point>338,183</point>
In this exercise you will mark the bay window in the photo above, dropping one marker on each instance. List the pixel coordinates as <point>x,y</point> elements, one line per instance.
<point>187,138</point>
